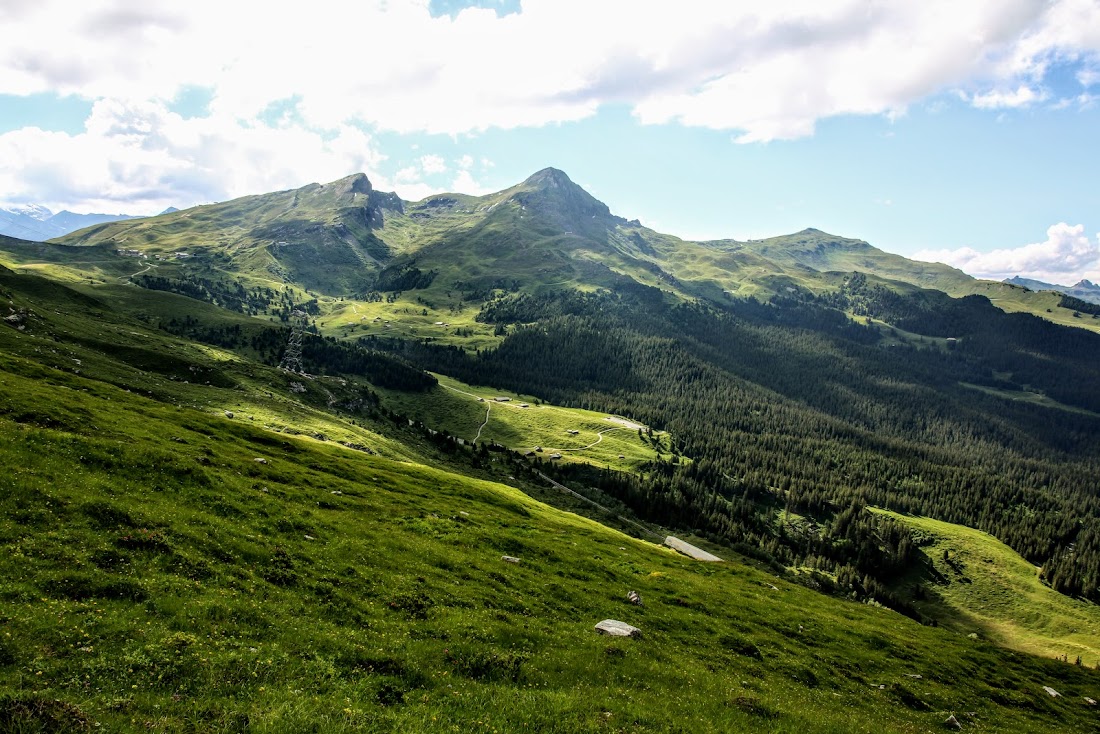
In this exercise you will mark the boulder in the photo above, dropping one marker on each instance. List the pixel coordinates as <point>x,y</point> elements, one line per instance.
<point>509,559</point>
<point>615,628</point>
<point>634,598</point>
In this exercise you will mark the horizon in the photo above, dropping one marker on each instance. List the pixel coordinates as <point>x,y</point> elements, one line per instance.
<point>937,133</point>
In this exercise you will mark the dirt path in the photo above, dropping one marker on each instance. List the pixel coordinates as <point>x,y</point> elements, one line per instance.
<point>608,510</point>
<point>484,423</point>
<point>599,437</point>
<point>128,278</point>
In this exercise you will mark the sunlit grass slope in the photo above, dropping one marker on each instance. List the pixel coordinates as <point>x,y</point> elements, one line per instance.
<point>982,586</point>
<point>523,423</point>
<point>156,575</point>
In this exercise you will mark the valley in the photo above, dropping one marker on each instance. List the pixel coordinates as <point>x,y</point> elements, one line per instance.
<point>896,460</point>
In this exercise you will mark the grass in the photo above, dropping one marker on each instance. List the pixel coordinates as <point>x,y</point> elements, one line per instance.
<point>157,577</point>
<point>166,567</point>
<point>470,412</point>
<point>985,587</point>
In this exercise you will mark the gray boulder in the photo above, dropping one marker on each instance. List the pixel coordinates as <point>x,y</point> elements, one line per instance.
<point>615,628</point>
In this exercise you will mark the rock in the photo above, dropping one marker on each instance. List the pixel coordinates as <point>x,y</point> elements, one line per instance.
<point>260,460</point>
<point>1090,701</point>
<point>509,559</point>
<point>1051,692</point>
<point>229,414</point>
<point>615,628</point>
<point>952,722</point>
<point>310,537</point>
<point>634,598</point>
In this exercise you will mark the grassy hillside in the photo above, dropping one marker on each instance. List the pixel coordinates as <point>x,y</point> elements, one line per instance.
<point>170,569</point>
<point>524,423</point>
<point>196,541</point>
<point>980,585</point>
<point>822,252</point>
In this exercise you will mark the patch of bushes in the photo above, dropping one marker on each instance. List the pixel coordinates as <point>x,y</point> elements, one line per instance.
<point>740,646</point>
<point>755,707</point>
<point>35,714</point>
<point>487,665</point>
<point>81,586</point>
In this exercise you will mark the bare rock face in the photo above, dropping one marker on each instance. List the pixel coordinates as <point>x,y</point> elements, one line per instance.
<point>615,628</point>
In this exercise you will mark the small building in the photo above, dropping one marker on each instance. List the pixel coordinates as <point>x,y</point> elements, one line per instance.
<point>555,456</point>
<point>503,400</point>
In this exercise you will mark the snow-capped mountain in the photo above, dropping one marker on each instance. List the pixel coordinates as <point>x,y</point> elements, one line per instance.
<point>37,223</point>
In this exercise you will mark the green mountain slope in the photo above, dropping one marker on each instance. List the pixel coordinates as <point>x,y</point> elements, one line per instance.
<point>345,239</point>
<point>822,252</point>
<point>171,566</point>
<point>319,236</point>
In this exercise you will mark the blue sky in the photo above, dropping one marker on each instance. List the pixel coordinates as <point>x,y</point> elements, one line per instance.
<point>962,133</point>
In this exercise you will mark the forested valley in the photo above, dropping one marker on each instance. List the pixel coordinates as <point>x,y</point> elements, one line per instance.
<point>790,418</point>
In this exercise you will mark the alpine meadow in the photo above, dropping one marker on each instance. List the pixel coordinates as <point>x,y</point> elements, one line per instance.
<point>330,460</point>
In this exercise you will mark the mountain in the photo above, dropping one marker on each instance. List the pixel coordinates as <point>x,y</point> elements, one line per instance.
<point>816,411</point>
<point>38,224</point>
<point>1083,290</point>
<point>345,237</point>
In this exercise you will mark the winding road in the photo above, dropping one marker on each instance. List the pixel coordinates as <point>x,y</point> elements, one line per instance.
<point>128,278</point>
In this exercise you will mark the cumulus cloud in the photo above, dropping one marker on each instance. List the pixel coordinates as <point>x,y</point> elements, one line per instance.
<point>433,164</point>
<point>760,69</point>
<point>767,70</point>
<point>1065,257</point>
<point>140,157</point>
<point>996,99</point>
<point>465,183</point>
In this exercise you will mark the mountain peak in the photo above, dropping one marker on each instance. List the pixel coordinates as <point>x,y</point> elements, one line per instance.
<point>32,211</point>
<point>356,183</point>
<point>549,178</point>
<point>551,193</point>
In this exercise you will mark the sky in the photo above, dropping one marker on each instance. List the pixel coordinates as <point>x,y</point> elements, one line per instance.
<point>960,132</point>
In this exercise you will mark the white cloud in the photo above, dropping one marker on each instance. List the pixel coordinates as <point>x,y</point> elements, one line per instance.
<point>1022,96</point>
<point>1066,256</point>
<point>140,158</point>
<point>760,69</point>
<point>433,164</point>
<point>466,162</point>
<point>765,69</point>
<point>464,183</point>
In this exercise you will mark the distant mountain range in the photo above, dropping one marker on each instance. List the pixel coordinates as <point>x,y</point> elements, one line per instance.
<point>1085,290</point>
<point>38,224</point>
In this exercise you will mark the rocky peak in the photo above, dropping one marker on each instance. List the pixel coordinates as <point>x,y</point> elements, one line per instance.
<point>357,183</point>
<point>552,194</point>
